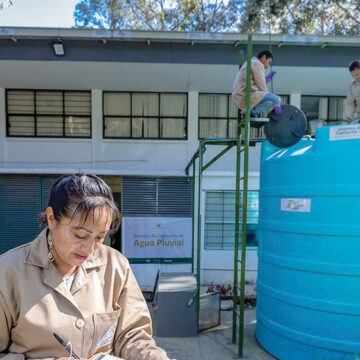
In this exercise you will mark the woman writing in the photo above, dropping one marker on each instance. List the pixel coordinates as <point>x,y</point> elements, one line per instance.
<point>66,282</point>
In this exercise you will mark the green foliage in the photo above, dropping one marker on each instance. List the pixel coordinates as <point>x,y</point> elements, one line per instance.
<point>315,17</point>
<point>167,15</point>
<point>326,17</point>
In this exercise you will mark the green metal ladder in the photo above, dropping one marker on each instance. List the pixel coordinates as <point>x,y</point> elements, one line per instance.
<point>242,146</point>
<point>241,142</point>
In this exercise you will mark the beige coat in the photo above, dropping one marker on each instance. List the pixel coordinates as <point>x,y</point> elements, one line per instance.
<point>353,101</point>
<point>104,311</point>
<point>258,85</point>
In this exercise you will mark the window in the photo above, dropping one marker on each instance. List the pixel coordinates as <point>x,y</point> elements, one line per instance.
<point>323,110</point>
<point>314,107</point>
<point>220,219</point>
<point>48,113</point>
<point>145,115</point>
<point>284,99</point>
<point>218,116</point>
<point>337,108</point>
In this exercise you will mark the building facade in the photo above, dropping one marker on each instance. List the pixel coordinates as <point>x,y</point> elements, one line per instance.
<point>131,107</point>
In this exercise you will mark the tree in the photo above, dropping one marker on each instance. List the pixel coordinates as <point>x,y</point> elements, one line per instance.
<point>325,17</point>
<point>5,3</point>
<point>169,15</point>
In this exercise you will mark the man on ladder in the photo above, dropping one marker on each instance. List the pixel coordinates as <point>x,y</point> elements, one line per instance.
<point>260,98</point>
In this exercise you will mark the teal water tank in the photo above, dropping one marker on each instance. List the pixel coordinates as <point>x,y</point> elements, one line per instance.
<point>308,286</point>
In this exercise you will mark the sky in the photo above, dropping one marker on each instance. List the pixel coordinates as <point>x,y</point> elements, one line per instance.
<point>39,13</point>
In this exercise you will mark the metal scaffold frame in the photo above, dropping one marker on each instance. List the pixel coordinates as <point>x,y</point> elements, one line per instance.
<point>242,146</point>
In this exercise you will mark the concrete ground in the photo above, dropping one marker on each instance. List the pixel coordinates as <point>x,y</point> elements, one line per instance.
<point>215,344</point>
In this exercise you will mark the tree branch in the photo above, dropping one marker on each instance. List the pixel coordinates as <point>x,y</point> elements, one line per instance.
<point>139,17</point>
<point>347,12</point>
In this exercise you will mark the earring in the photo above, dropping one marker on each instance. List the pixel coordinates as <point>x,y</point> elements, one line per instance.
<point>50,243</point>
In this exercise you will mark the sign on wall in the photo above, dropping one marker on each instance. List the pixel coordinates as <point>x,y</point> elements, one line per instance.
<point>157,239</point>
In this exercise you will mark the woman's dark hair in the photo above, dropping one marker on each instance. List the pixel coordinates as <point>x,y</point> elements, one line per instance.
<point>78,195</point>
<point>267,54</point>
<point>354,65</point>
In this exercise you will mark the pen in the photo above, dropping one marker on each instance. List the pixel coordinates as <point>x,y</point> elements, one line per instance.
<point>67,346</point>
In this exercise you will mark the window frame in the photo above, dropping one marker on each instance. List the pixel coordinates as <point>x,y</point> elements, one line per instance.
<point>249,247</point>
<point>35,114</point>
<point>227,118</point>
<point>131,116</point>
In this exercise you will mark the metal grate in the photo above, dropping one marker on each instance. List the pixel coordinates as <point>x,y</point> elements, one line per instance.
<point>22,197</point>
<point>18,210</point>
<point>166,197</point>
<point>47,183</point>
<point>174,197</point>
<point>220,219</point>
<point>139,196</point>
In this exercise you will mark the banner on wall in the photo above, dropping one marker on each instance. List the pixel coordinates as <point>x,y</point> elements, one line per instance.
<point>157,240</point>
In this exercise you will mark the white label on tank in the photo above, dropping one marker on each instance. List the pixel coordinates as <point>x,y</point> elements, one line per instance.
<point>344,132</point>
<point>301,205</point>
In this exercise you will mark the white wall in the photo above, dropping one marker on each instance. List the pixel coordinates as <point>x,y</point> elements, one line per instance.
<point>163,77</point>
<point>110,157</point>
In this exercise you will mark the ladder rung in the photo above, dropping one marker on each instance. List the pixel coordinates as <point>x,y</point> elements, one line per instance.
<point>239,260</point>
<point>259,120</point>
<point>242,178</point>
